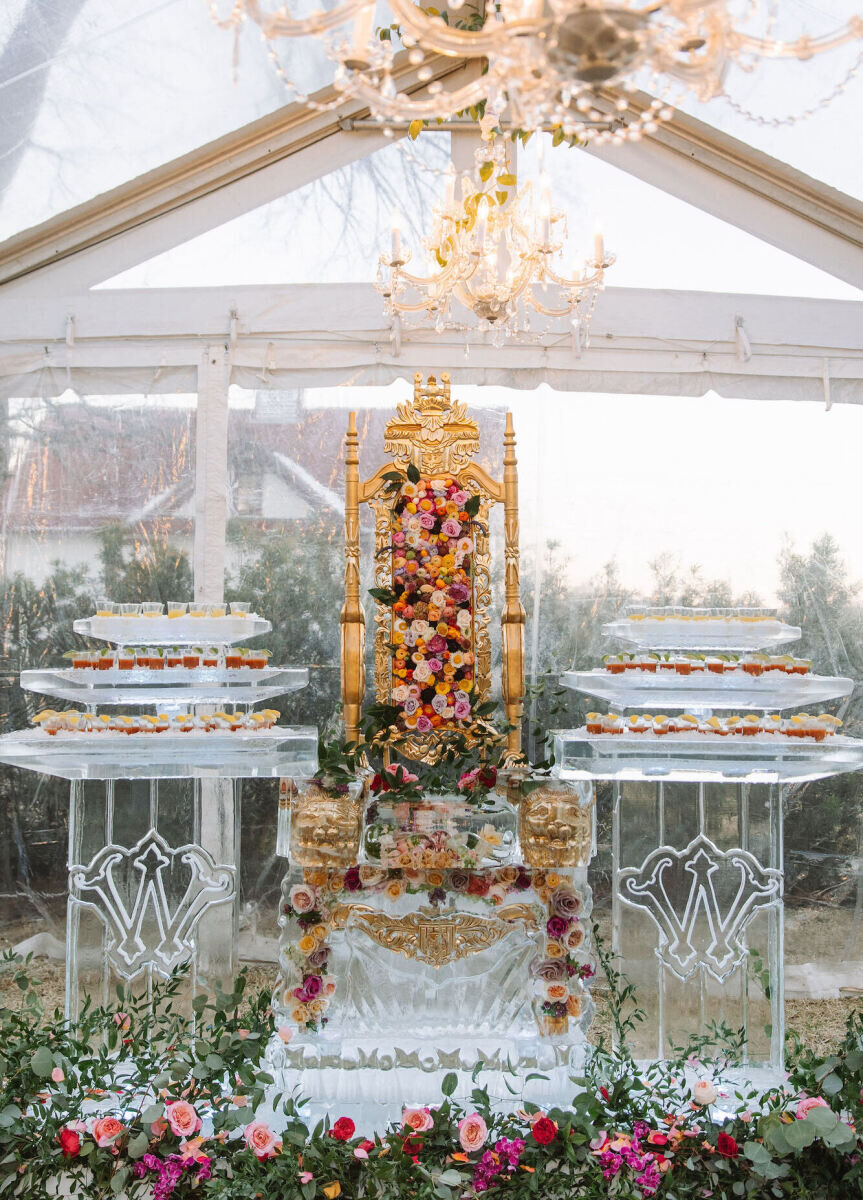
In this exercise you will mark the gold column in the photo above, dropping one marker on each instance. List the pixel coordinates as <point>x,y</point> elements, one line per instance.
<point>352,617</point>
<point>512,617</point>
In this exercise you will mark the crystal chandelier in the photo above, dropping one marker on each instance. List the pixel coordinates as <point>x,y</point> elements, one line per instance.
<point>545,62</point>
<point>491,255</point>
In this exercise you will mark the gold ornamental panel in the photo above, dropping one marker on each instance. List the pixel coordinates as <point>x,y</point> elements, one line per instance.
<point>431,936</point>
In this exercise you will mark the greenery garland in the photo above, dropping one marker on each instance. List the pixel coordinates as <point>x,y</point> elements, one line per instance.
<point>140,1100</point>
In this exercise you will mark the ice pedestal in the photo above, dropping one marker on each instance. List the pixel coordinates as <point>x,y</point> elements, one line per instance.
<point>152,885</point>
<point>697,913</point>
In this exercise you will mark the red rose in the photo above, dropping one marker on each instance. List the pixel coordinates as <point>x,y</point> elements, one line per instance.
<point>366,1145</point>
<point>70,1143</point>
<point>488,776</point>
<point>412,1146</point>
<point>726,1145</point>
<point>544,1131</point>
<point>343,1129</point>
<point>478,886</point>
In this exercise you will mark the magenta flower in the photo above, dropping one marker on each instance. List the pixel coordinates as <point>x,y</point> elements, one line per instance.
<point>556,927</point>
<point>450,528</point>
<point>424,725</point>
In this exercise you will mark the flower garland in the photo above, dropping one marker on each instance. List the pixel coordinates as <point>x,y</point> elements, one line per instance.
<point>432,634</point>
<point>308,908</point>
<point>144,1102</point>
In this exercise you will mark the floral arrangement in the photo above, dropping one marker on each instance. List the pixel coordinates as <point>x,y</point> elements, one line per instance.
<point>432,634</point>
<point>560,973</point>
<point>139,1101</point>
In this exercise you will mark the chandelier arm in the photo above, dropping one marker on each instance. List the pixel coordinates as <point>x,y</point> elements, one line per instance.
<point>280,24</point>
<point>403,108</point>
<point>803,47</point>
<point>433,34</point>
<point>550,312</point>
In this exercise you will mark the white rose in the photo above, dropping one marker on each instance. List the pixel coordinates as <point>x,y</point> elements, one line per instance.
<point>704,1092</point>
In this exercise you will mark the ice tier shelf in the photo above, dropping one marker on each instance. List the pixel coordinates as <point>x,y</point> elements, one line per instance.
<point>765,758</point>
<point>700,629</point>
<point>257,754</point>
<point>206,685</point>
<point>173,631</point>
<point>703,690</point>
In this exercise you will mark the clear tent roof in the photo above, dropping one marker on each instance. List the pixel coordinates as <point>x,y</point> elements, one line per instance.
<point>95,92</point>
<point>333,230</point>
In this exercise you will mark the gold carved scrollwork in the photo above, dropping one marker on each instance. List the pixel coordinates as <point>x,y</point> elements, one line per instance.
<point>433,431</point>
<point>431,936</point>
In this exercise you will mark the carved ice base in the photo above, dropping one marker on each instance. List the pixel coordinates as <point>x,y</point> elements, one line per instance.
<point>697,912</point>
<point>371,1079</point>
<point>152,885</point>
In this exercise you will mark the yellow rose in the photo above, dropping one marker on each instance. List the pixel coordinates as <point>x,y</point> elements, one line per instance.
<point>332,1190</point>
<point>538,878</point>
<point>553,950</point>
<point>317,1007</point>
<point>434,878</point>
<point>573,1006</point>
<point>394,889</point>
<point>316,878</point>
<point>307,944</point>
<point>336,882</point>
<point>300,1014</point>
<point>320,932</point>
<point>552,880</point>
<point>507,875</point>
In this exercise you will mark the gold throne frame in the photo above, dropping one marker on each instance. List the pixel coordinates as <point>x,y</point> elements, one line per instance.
<point>434,433</point>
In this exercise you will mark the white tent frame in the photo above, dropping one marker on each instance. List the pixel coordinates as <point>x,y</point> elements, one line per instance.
<point>56,331</point>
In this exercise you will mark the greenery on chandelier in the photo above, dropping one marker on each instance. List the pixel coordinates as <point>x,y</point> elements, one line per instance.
<point>139,1099</point>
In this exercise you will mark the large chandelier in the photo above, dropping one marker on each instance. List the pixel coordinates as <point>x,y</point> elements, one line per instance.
<point>544,62</point>
<point>491,256</point>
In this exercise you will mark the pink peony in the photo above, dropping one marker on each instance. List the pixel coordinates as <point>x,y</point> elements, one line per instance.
<point>182,1118</point>
<point>57,1075</point>
<point>472,1132</point>
<point>261,1140</point>
<point>418,1119</point>
<point>808,1103</point>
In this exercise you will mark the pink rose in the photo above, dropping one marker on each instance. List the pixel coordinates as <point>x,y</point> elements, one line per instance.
<point>182,1118</point>
<point>57,1075</point>
<point>462,710</point>
<point>399,538</point>
<point>808,1103</point>
<point>450,528</point>
<point>424,725</point>
<point>472,1132</point>
<point>460,498</point>
<point>427,521</point>
<point>302,898</point>
<point>106,1130</point>
<point>418,1119</point>
<point>261,1140</point>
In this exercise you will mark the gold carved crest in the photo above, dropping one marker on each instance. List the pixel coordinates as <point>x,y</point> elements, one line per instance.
<point>431,936</point>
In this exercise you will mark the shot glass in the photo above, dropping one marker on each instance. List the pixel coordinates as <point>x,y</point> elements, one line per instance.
<point>240,608</point>
<point>130,610</point>
<point>177,608</point>
<point>151,609</point>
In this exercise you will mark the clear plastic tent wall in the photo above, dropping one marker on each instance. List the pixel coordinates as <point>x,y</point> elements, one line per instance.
<point>680,460</point>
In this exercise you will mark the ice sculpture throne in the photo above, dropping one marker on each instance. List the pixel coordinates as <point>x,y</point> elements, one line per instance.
<point>427,935</point>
